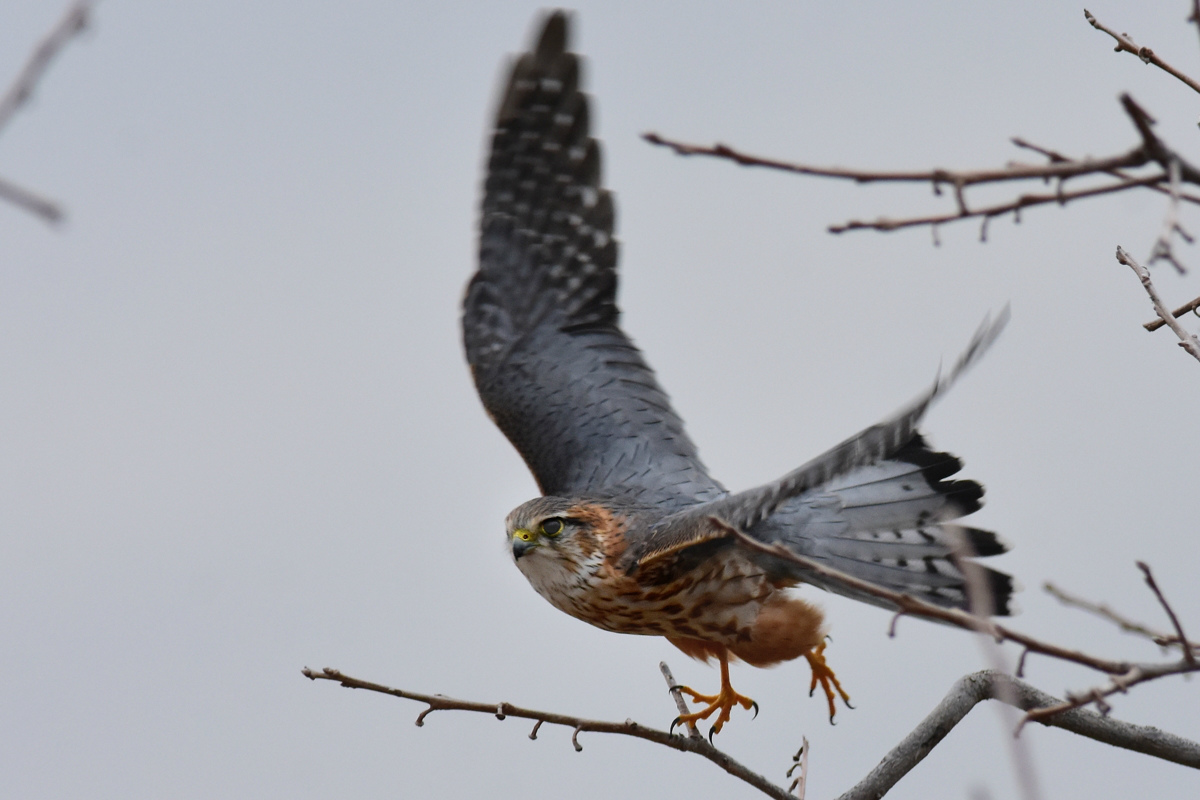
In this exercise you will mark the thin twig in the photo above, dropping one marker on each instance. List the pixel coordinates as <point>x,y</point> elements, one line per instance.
<point>938,177</point>
<point>1138,673</point>
<point>1148,56</point>
<point>677,696</point>
<point>1194,17</point>
<point>31,201</point>
<point>1160,638</point>
<point>1186,340</point>
<point>72,23</point>
<point>1060,169</point>
<point>1177,313</point>
<point>1163,249</point>
<point>1154,148</point>
<point>1188,655</point>
<point>989,212</point>
<point>1056,156</point>
<point>686,744</point>
<point>800,767</point>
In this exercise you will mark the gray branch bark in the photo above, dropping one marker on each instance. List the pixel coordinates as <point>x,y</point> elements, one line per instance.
<point>972,689</point>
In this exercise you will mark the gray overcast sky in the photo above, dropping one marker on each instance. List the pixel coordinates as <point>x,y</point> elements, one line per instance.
<point>239,436</point>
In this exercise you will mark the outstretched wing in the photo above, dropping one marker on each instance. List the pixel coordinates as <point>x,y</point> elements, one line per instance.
<point>540,320</point>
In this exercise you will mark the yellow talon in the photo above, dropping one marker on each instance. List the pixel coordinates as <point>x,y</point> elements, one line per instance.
<point>821,673</point>
<point>723,701</point>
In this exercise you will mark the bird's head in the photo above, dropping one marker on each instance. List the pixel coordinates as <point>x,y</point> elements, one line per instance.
<point>554,539</point>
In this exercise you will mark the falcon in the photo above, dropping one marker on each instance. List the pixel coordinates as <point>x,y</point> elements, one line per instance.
<point>632,534</point>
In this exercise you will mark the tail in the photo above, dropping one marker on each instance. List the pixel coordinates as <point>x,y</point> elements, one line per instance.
<point>893,524</point>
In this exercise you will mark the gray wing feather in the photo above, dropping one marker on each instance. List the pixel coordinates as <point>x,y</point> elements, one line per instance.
<point>891,524</point>
<point>540,320</point>
<point>874,444</point>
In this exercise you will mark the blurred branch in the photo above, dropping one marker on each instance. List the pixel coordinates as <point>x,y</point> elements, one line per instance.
<point>1160,638</point>
<point>30,201</point>
<point>1163,249</point>
<point>1186,340</point>
<point>1055,156</point>
<point>72,23</point>
<point>1126,44</point>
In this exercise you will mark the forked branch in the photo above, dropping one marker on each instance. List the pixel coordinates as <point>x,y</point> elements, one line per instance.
<point>1186,340</point>
<point>688,744</point>
<point>966,693</point>
<point>1058,170</point>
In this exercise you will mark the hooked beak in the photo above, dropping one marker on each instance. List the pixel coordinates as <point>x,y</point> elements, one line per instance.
<point>522,542</point>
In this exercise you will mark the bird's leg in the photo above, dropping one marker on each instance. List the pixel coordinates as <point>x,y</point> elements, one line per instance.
<point>821,673</point>
<point>723,701</point>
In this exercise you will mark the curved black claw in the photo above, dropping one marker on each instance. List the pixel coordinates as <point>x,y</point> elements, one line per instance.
<point>754,705</point>
<point>676,721</point>
<point>711,731</point>
<point>832,721</point>
<point>847,702</point>
<point>674,686</point>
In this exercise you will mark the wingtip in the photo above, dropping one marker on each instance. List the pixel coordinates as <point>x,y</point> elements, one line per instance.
<point>555,32</point>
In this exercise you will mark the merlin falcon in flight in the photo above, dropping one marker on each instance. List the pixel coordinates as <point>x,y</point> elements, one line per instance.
<point>632,534</point>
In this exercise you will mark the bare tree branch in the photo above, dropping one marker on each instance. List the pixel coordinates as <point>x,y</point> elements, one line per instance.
<point>1055,156</point>
<point>30,201</point>
<point>989,212</point>
<point>1188,655</point>
<point>1138,673</point>
<point>938,177</point>
<point>1186,340</point>
<point>1148,56</point>
<point>966,693</point>
<point>72,23</point>
<point>990,684</point>
<point>1059,169</point>
<point>686,744</point>
<point>1194,17</point>
<point>1160,638</point>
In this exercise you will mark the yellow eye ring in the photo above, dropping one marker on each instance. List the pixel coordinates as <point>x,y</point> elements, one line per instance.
<point>553,527</point>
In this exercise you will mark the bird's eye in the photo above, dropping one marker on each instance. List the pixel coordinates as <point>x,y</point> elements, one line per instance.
<point>552,527</point>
